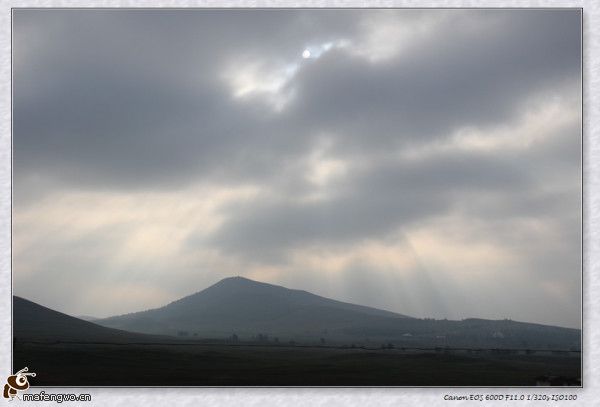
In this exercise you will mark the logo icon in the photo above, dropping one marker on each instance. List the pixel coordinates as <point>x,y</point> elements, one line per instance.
<point>17,382</point>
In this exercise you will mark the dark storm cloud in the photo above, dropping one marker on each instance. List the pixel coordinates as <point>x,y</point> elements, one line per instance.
<point>467,77</point>
<point>135,97</point>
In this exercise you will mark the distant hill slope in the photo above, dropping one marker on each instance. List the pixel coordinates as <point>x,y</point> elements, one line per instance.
<point>86,318</point>
<point>33,322</point>
<point>253,309</point>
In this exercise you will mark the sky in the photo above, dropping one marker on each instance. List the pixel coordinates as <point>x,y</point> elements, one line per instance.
<point>426,162</point>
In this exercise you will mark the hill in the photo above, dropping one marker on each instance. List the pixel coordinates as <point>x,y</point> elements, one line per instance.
<point>248,308</point>
<point>33,322</point>
<point>252,310</point>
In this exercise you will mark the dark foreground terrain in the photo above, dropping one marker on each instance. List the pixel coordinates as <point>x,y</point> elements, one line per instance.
<point>63,364</point>
<point>67,351</point>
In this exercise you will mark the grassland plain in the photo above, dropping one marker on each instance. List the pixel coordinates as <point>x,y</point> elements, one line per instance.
<point>64,364</point>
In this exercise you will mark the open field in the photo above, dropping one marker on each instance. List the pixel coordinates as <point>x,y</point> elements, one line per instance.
<point>63,364</point>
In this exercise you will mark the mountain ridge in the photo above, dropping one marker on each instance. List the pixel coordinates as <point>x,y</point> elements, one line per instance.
<point>248,309</point>
<point>243,282</point>
<point>239,304</point>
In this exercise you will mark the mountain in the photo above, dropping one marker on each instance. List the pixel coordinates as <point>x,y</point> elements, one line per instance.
<point>255,310</point>
<point>247,308</point>
<point>33,322</point>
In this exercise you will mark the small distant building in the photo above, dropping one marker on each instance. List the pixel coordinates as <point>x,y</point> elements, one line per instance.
<point>407,335</point>
<point>498,335</point>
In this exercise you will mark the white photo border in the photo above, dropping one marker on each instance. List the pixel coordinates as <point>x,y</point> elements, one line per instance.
<point>276,396</point>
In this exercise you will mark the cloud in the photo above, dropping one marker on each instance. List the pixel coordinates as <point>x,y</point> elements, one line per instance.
<point>178,147</point>
<point>373,200</point>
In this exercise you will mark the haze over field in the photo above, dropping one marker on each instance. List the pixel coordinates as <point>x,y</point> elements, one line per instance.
<point>426,162</point>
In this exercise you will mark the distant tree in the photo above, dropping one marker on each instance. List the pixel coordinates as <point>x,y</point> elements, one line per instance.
<point>182,333</point>
<point>234,338</point>
<point>322,341</point>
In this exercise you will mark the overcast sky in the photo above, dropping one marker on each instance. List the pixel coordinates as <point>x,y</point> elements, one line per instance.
<point>424,162</point>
